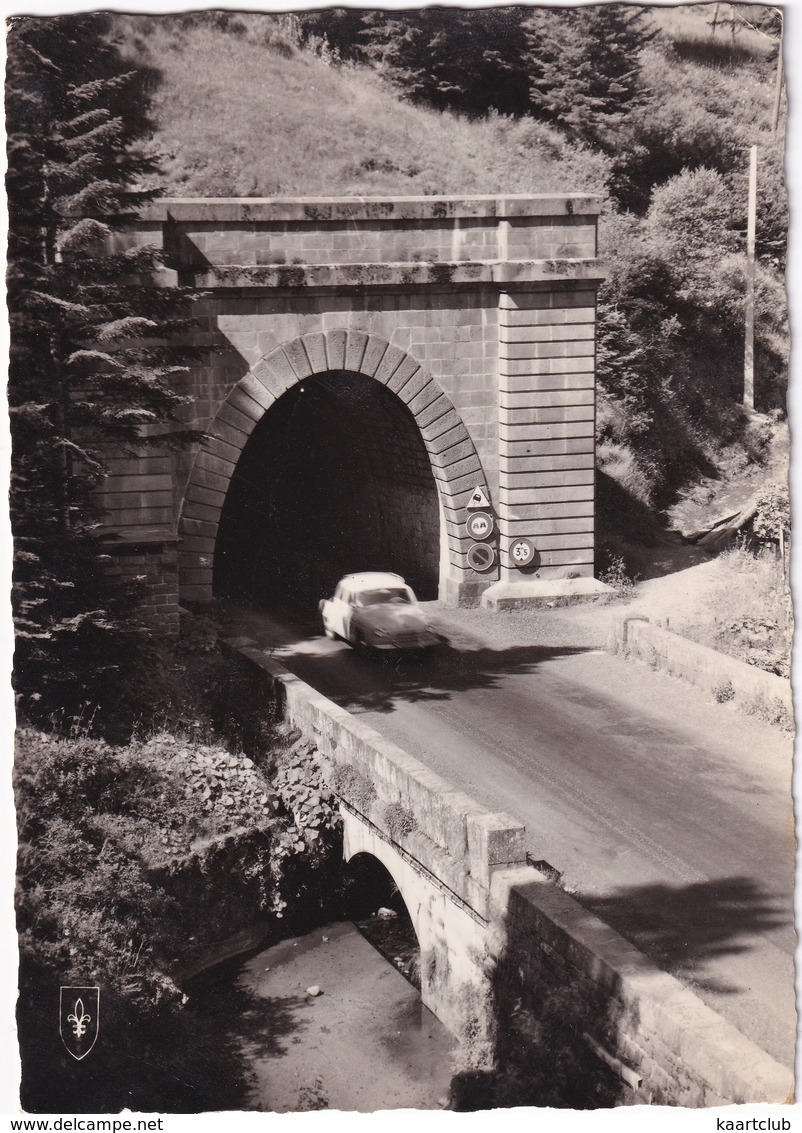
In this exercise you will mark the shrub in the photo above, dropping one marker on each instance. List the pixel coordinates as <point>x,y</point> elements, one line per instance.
<point>354,787</point>
<point>773,512</point>
<point>400,821</point>
<point>724,692</point>
<point>616,575</point>
<point>771,710</point>
<point>747,611</point>
<point>634,475</point>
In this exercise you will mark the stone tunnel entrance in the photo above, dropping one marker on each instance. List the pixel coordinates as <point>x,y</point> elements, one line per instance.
<point>335,478</point>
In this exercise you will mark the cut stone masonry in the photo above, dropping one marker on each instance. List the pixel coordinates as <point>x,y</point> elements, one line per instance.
<point>478,313</point>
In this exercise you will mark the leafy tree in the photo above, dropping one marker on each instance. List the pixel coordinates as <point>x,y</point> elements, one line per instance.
<point>89,366</point>
<point>585,67</point>
<point>695,118</point>
<point>671,334</point>
<point>336,28</point>
<point>691,217</point>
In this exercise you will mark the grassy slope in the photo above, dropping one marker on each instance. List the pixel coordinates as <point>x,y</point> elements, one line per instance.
<point>251,115</point>
<point>245,118</point>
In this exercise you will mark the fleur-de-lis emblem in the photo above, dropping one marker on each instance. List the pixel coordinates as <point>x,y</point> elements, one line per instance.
<point>79,1016</point>
<point>79,1019</point>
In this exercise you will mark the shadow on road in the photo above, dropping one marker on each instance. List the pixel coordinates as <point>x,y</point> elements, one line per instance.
<point>684,928</point>
<point>373,682</point>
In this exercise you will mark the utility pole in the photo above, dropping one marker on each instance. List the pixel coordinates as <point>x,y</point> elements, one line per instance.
<point>778,88</point>
<point>749,337</point>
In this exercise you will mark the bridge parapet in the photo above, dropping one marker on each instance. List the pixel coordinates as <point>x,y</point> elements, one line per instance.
<point>450,837</point>
<point>496,938</point>
<point>441,848</point>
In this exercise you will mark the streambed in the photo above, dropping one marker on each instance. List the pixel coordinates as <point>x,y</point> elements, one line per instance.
<point>365,1043</point>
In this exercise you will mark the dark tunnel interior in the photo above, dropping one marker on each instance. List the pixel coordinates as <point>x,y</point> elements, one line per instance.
<point>335,478</point>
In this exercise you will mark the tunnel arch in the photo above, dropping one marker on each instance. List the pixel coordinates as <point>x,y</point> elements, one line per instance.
<point>453,459</point>
<point>334,480</point>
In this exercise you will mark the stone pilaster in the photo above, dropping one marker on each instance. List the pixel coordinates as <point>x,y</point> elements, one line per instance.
<point>546,431</point>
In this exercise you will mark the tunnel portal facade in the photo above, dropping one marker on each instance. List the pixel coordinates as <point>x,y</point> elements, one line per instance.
<point>371,373</point>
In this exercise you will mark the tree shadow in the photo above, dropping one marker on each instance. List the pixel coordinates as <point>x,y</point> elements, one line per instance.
<point>684,928</point>
<point>377,683</point>
<point>568,1027</point>
<point>226,1001</point>
<point>191,1060</point>
<point>209,1051</point>
<point>368,681</point>
<point>637,534</point>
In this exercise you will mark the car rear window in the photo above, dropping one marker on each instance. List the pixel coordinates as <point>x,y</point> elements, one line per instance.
<point>385,594</point>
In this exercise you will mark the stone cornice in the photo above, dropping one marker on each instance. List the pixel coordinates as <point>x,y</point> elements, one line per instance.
<point>502,273</point>
<point>315,210</point>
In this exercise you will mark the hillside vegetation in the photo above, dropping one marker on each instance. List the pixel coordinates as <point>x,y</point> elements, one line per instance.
<point>655,112</point>
<point>250,115</point>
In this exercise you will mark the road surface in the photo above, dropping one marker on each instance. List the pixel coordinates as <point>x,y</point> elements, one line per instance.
<point>668,815</point>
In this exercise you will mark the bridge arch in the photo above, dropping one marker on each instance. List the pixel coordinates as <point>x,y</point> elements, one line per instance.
<point>377,885</point>
<point>454,463</point>
<point>454,973</point>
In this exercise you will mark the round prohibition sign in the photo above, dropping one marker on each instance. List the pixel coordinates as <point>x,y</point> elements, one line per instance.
<point>481,556</point>
<point>522,552</point>
<point>480,525</point>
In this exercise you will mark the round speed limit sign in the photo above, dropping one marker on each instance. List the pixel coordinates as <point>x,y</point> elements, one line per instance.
<point>522,552</point>
<point>480,525</point>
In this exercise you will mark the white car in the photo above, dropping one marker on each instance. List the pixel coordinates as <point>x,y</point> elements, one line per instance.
<point>377,610</point>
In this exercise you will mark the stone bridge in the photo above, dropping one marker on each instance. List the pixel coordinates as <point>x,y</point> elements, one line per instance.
<point>369,364</point>
<point>497,937</point>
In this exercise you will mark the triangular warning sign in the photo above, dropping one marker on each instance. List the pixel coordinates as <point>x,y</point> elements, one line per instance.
<point>478,499</point>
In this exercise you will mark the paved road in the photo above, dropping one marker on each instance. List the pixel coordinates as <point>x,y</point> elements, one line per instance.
<point>667,815</point>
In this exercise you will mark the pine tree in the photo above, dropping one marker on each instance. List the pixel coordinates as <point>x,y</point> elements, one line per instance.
<point>468,61</point>
<point>89,365</point>
<point>584,67</point>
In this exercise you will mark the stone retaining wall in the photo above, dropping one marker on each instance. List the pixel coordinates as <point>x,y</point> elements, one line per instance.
<point>663,1043</point>
<point>702,666</point>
